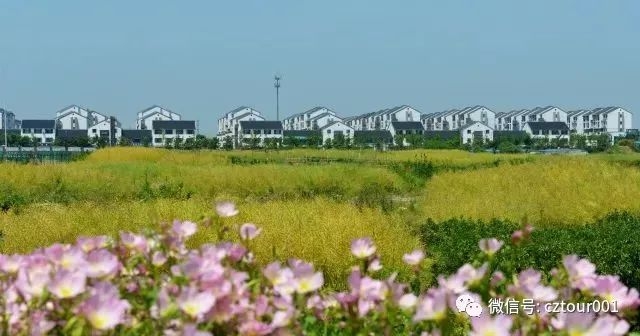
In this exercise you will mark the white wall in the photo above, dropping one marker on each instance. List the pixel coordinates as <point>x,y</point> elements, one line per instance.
<point>339,126</point>
<point>67,123</point>
<point>467,133</point>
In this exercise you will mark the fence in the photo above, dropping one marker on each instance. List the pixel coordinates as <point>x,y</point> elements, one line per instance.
<point>42,155</point>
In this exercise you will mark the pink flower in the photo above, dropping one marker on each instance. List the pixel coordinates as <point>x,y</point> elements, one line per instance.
<point>611,289</point>
<point>431,306</point>
<point>517,237</point>
<point>363,248</point>
<point>470,275</point>
<point>584,324</point>
<point>254,328</point>
<point>281,318</point>
<point>528,285</point>
<point>249,231</point>
<point>195,303</point>
<point>375,265</point>
<point>581,272</point>
<point>10,264</point>
<point>192,330</point>
<point>134,242</point>
<point>183,229</point>
<point>88,244</point>
<point>309,282</point>
<point>101,263</point>
<point>68,284</point>
<point>226,209</point>
<point>490,246</point>
<point>104,310</point>
<point>32,279</point>
<point>407,301</point>
<point>485,325</point>
<point>158,258</point>
<point>413,258</point>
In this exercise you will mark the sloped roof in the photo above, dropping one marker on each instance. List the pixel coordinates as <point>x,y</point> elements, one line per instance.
<point>537,126</point>
<point>136,134</point>
<point>71,134</point>
<point>173,124</point>
<point>314,109</point>
<point>441,134</point>
<point>407,125</point>
<point>333,123</point>
<point>300,133</point>
<point>38,123</point>
<point>467,125</point>
<point>372,136</point>
<point>261,124</point>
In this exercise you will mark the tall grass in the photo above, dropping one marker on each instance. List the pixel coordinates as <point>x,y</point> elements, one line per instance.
<point>555,189</point>
<point>319,230</point>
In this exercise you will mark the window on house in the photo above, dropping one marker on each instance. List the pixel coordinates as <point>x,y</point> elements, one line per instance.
<point>277,131</point>
<point>48,130</point>
<point>486,132</point>
<point>328,131</point>
<point>48,140</point>
<point>26,130</point>
<point>157,140</point>
<point>156,131</point>
<point>169,131</point>
<point>246,131</point>
<point>179,131</point>
<point>468,131</point>
<point>38,130</point>
<point>191,131</point>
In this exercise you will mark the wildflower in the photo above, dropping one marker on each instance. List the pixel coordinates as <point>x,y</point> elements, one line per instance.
<point>363,248</point>
<point>104,309</point>
<point>10,264</point>
<point>432,306</point>
<point>611,289</point>
<point>134,242</point>
<point>158,258</point>
<point>310,282</point>
<point>32,280</point>
<point>254,328</point>
<point>528,285</point>
<point>195,303</point>
<point>183,229</point>
<point>413,258</point>
<point>192,330</point>
<point>87,244</point>
<point>485,325</point>
<point>408,301</point>
<point>226,209</point>
<point>281,318</point>
<point>517,237</point>
<point>101,263</point>
<point>581,272</point>
<point>39,323</point>
<point>470,275</point>
<point>375,265</point>
<point>490,246</point>
<point>68,284</point>
<point>249,231</point>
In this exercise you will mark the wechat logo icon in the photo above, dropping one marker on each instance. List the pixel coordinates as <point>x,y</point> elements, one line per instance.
<point>465,303</point>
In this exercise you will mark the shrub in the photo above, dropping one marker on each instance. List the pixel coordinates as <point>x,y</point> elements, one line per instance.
<point>611,243</point>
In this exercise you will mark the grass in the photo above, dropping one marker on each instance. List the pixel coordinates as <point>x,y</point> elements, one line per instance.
<point>556,189</point>
<point>319,230</point>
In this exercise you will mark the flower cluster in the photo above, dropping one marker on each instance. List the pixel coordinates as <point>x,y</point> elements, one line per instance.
<point>153,284</point>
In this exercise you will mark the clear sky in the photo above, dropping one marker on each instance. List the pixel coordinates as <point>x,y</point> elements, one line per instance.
<point>203,58</point>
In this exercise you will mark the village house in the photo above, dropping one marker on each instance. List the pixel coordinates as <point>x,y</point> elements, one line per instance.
<point>312,119</point>
<point>229,123</point>
<point>41,130</point>
<point>137,137</point>
<point>163,130</point>
<point>476,131</point>
<point>258,132</point>
<point>146,117</point>
<point>335,129</point>
<point>74,117</point>
<point>547,129</point>
<point>9,118</point>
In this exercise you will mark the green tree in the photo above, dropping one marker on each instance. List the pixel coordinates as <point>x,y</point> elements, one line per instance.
<point>339,141</point>
<point>213,143</point>
<point>189,143</point>
<point>177,143</point>
<point>227,144</point>
<point>168,143</point>
<point>124,142</point>
<point>314,140</point>
<point>328,143</point>
<point>291,141</point>
<point>399,140</point>
<point>146,141</point>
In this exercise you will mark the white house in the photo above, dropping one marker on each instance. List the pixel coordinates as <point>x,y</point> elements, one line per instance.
<point>331,130</point>
<point>472,114</point>
<point>547,113</point>
<point>547,129</point>
<point>146,117</point>
<point>511,121</point>
<point>75,117</point>
<point>172,129</point>
<point>380,120</point>
<point>476,131</point>
<point>261,130</point>
<point>109,129</point>
<point>405,128</point>
<point>43,131</point>
<point>613,120</point>
<point>229,123</point>
<point>312,119</point>
<point>578,120</point>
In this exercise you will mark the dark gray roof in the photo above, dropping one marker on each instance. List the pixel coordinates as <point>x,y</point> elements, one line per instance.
<point>372,136</point>
<point>546,126</point>
<point>261,124</point>
<point>314,109</point>
<point>300,133</point>
<point>154,106</point>
<point>238,109</point>
<point>333,123</point>
<point>136,134</point>
<point>38,123</point>
<point>173,124</point>
<point>509,134</point>
<point>11,131</point>
<point>441,134</point>
<point>407,125</point>
<point>71,134</point>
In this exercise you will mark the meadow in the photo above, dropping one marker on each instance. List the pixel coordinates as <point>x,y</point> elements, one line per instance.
<point>310,202</point>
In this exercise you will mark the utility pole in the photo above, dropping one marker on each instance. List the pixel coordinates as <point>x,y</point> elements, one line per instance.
<point>277,86</point>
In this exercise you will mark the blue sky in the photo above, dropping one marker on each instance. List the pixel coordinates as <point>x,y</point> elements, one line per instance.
<point>203,58</point>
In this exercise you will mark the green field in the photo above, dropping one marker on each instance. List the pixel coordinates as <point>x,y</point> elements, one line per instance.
<point>311,203</point>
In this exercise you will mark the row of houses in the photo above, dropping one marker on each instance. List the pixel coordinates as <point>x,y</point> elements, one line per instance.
<point>154,125</point>
<point>469,123</point>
